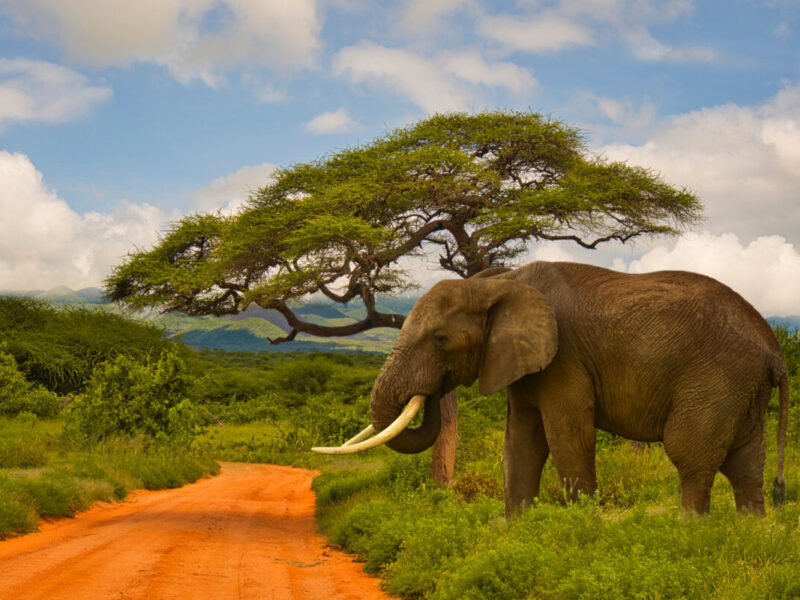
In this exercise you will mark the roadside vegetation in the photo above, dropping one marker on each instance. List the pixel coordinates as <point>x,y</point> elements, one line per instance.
<point>92,405</point>
<point>153,415</point>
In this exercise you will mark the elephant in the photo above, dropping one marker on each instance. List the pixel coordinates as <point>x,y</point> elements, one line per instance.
<point>669,356</point>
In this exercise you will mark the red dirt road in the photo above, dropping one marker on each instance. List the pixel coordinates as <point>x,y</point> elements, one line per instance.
<point>247,533</point>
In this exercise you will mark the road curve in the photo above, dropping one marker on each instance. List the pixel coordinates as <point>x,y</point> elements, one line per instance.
<point>247,533</point>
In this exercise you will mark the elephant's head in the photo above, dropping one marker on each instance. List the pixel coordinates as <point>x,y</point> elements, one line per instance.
<point>492,329</point>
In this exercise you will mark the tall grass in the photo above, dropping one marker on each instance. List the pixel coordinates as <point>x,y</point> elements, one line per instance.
<point>629,541</point>
<point>43,475</point>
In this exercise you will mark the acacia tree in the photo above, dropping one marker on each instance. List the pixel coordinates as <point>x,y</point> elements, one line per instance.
<point>475,189</point>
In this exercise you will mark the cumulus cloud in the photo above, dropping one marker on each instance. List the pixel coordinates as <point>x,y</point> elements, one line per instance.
<point>564,24</point>
<point>742,161</point>
<point>615,119</point>
<point>336,121</point>
<point>44,243</point>
<point>425,14</point>
<point>472,68</point>
<point>32,90</point>
<point>766,271</point>
<point>646,47</point>
<point>448,82</point>
<point>229,193</point>
<point>193,38</point>
<point>542,33</point>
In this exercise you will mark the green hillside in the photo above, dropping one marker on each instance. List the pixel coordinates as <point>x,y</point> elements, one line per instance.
<point>250,333</point>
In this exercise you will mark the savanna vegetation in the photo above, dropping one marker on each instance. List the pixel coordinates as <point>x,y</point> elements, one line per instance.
<point>150,414</point>
<point>92,405</point>
<point>470,189</point>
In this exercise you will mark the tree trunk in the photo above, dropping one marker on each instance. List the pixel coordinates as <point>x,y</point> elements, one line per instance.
<point>444,450</point>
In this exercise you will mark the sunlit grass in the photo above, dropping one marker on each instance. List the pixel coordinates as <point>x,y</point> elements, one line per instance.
<point>43,475</point>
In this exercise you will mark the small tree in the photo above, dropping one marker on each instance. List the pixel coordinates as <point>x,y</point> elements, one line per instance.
<point>477,189</point>
<point>17,394</point>
<point>129,398</point>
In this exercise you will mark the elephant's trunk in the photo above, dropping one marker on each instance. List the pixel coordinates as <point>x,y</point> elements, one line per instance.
<point>389,396</point>
<point>392,408</point>
<point>411,441</point>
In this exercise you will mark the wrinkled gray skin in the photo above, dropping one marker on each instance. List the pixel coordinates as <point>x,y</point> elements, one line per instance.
<point>670,356</point>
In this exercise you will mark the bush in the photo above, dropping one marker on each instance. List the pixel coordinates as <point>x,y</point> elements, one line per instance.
<point>58,348</point>
<point>18,395</point>
<point>128,398</point>
<point>472,486</point>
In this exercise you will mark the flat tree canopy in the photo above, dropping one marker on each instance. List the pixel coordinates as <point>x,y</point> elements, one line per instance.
<point>476,189</point>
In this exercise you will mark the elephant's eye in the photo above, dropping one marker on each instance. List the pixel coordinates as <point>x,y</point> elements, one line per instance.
<point>439,338</point>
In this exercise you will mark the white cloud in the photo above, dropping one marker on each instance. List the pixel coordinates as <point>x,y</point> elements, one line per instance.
<point>449,82</point>
<point>543,33</point>
<point>647,48</point>
<point>32,90</point>
<point>472,68</point>
<point>336,121</point>
<point>229,193</point>
<point>614,118</point>
<point>44,243</point>
<point>766,272</point>
<point>564,24</point>
<point>193,38</point>
<point>426,14</point>
<point>742,161</point>
<point>403,72</point>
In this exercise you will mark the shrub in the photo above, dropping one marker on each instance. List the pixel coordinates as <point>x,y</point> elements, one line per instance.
<point>471,486</point>
<point>128,398</point>
<point>19,395</point>
<point>58,348</point>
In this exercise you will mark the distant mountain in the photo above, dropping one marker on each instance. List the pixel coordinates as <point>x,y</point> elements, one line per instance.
<point>250,329</point>
<point>60,295</point>
<point>93,295</point>
<point>231,339</point>
<point>255,311</point>
<point>64,295</point>
<point>326,311</point>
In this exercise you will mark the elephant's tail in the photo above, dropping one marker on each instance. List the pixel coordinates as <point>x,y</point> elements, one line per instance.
<point>779,486</point>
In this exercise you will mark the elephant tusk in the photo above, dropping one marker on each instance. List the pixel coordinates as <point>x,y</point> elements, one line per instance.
<point>399,424</point>
<point>368,431</point>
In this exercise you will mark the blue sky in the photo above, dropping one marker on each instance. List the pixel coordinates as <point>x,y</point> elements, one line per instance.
<point>117,117</point>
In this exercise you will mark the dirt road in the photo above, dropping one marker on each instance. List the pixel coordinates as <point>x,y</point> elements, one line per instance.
<point>248,533</point>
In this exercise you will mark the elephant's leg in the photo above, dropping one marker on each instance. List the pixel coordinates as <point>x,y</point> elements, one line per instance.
<point>526,451</point>
<point>696,446</point>
<point>571,435</point>
<point>744,468</point>
<point>744,464</point>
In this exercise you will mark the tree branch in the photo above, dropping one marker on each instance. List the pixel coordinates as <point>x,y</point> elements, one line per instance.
<point>593,245</point>
<point>376,319</point>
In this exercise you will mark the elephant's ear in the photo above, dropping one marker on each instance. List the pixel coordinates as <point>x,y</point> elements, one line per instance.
<point>521,337</point>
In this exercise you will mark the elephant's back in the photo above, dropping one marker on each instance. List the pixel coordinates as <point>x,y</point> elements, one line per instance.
<point>679,316</point>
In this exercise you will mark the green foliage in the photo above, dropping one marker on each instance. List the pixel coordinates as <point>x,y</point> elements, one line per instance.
<point>59,348</point>
<point>476,187</point>
<point>472,485</point>
<point>42,474</point>
<point>629,541</point>
<point>128,398</point>
<point>18,395</point>
<point>790,344</point>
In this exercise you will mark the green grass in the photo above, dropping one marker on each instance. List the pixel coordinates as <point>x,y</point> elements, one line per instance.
<point>629,541</point>
<point>43,475</point>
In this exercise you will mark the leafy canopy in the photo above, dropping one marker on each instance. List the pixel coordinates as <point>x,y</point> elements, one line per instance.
<point>475,188</point>
<point>58,347</point>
